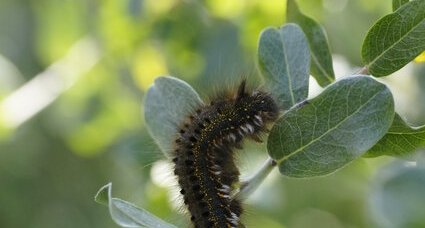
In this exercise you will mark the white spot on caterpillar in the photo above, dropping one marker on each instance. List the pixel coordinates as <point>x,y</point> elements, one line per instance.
<point>244,129</point>
<point>259,119</point>
<point>234,216</point>
<point>217,173</point>
<point>224,190</point>
<point>233,221</point>
<point>225,186</point>
<point>232,137</point>
<point>216,168</point>
<point>250,128</point>
<point>224,195</point>
<point>219,145</point>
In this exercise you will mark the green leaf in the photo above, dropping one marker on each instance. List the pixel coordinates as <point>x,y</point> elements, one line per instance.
<point>400,140</point>
<point>168,102</point>
<point>398,3</point>
<point>126,214</point>
<point>395,39</point>
<point>397,198</point>
<point>327,132</point>
<point>321,59</point>
<point>102,196</point>
<point>284,59</point>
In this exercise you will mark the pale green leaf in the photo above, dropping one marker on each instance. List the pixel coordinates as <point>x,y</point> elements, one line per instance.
<point>327,132</point>
<point>321,59</point>
<point>395,39</point>
<point>168,102</point>
<point>400,140</point>
<point>284,59</point>
<point>397,198</point>
<point>126,214</point>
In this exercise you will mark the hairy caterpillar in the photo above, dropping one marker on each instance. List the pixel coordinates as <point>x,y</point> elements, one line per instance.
<point>204,151</point>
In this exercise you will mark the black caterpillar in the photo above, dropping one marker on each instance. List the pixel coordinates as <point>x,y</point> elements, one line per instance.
<point>203,157</point>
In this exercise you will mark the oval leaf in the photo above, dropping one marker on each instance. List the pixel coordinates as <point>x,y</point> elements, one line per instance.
<point>396,39</point>
<point>331,130</point>
<point>168,102</point>
<point>126,214</point>
<point>400,140</point>
<point>321,59</point>
<point>397,199</point>
<point>398,3</point>
<point>284,59</point>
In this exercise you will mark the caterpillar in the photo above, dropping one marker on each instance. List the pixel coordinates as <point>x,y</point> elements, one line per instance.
<point>204,153</point>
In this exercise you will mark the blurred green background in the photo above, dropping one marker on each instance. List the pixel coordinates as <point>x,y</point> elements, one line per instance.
<point>73,74</point>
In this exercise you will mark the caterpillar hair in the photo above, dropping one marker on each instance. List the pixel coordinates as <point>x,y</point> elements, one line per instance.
<point>204,153</point>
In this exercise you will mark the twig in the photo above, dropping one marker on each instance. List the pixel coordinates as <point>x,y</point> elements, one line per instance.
<point>363,70</point>
<point>251,184</point>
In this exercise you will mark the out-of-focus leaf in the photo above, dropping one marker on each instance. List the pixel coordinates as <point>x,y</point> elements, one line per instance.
<point>398,3</point>
<point>102,196</point>
<point>398,198</point>
<point>168,102</point>
<point>400,140</point>
<point>321,60</point>
<point>284,59</point>
<point>395,39</point>
<point>126,214</point>
<point>329,131</point>
<point>11,77</point>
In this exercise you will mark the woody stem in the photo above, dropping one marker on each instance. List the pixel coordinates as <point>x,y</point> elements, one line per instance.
<point>249,185</point>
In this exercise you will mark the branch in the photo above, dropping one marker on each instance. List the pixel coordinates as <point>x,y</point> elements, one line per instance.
<point>251,184</point>
<point>363,70</point>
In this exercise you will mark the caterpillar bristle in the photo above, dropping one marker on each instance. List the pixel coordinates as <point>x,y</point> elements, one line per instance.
<point>204,153</point>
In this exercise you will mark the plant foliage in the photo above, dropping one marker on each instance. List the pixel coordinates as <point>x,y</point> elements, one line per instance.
<point>353,116</point>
